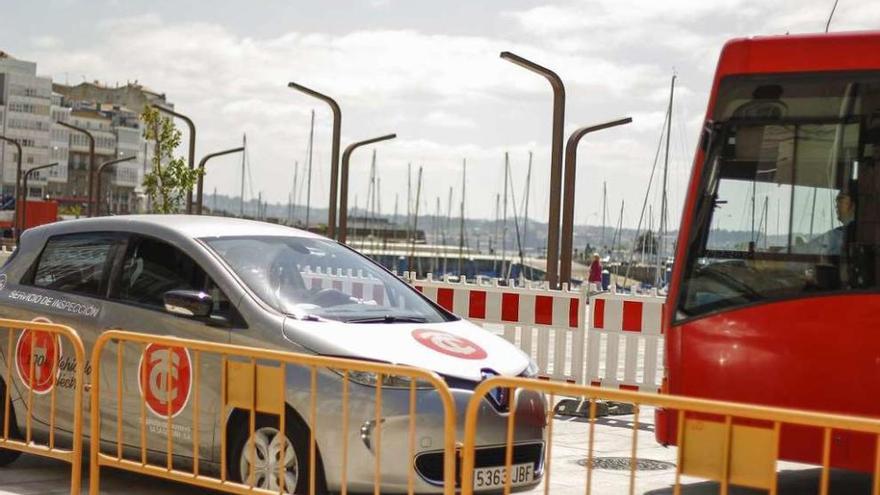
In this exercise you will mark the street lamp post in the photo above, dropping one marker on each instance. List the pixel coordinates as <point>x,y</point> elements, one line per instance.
<point>343,186</point>
<point>569,194</point>
<point>334,154</point>
<point>202,173</point>
<point>98,181</point>
<point>17,193</point>
<point>191,159</point>
<point>555,160</point>
<point>24,186</point>
<point>91,174</point>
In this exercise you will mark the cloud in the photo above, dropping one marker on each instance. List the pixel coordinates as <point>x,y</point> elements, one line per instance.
<point>448,96</point>
<point>46,42</point>
<point>440,118</point>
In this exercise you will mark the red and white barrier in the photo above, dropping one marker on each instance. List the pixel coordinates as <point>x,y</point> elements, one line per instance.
<point>546,324</point>
<point>619,344</point>
<point>633,322</point>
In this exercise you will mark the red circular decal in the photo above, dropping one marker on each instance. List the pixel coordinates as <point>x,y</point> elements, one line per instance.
<point>165,379</point>
<point>42,350</point>
<point>449,344</point>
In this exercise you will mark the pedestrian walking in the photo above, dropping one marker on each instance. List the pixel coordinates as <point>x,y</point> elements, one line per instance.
<point>595,271</point>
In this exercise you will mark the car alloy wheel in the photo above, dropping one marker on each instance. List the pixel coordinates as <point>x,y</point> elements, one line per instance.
<point>265,447</point>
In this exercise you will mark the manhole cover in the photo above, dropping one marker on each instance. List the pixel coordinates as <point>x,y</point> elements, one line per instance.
<point>623,464</point>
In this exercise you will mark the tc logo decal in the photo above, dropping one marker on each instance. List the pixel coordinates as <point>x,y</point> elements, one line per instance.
<point>165,379</point>
<point>449,344</point>
<point>42,350</point>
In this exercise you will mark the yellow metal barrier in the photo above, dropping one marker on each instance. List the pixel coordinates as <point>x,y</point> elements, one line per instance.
<point>722,451</point>
<point>248,384</point>
<point>39,375</point>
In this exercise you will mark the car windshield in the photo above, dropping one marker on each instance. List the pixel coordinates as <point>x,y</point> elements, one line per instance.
<point>308,278</point>
<point>788,200</point>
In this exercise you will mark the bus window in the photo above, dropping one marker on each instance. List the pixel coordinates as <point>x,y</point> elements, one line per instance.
<point>789,203</point>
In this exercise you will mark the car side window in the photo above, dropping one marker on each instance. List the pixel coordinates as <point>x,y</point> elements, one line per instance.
<point>152,267</point>
<point>75,263</point>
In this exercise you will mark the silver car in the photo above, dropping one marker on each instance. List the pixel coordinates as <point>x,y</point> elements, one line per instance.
<point>268,286</point>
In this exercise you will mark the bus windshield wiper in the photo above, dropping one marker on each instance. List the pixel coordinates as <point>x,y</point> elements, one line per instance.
<point>388,319</point>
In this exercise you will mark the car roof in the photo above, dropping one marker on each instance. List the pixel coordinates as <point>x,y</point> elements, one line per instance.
<point>187,226</point>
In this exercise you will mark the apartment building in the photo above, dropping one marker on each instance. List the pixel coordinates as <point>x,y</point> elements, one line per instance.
<point>30,107</point>
<point>25,116</point>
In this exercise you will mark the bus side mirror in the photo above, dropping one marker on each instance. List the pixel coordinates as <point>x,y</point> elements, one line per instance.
<point>191,303</point>
<point>706,137</point>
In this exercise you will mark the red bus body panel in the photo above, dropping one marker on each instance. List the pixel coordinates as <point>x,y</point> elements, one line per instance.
<point>817,353</point>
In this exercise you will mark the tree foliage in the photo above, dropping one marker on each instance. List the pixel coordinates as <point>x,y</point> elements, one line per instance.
<point>170,178</point>
<point>647,243</point>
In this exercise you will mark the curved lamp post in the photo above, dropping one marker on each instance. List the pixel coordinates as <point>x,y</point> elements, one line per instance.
<point>98,181</point>
<point>555,160</point>
<point>91,174</point>
<point>24,194</point>
<point>17,193</point>
<point>202,173</point>
<point>334,153</point>
<point>191,159</point>
<point>343,187</point>
<point>569,193</point>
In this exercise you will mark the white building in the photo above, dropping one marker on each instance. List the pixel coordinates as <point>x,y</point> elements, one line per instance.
<point>59,142</point>
<point>25,115</point>
<point>31,106</point>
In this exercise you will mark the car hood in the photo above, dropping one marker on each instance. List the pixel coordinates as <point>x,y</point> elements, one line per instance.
<point>458,349</point>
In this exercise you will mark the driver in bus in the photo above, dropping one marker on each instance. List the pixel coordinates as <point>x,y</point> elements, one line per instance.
<point>834,241</point>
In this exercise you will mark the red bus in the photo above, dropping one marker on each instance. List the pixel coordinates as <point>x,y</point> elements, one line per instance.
<point>774,293</point>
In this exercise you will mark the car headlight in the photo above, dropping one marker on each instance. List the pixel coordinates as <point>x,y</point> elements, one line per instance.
<point>369,379</point>
<point>531,370</point>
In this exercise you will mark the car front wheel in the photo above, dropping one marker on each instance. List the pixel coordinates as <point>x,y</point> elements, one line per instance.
<point>262,455</point>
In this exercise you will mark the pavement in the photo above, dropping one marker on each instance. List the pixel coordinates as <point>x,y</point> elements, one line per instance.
<point>32,475</point>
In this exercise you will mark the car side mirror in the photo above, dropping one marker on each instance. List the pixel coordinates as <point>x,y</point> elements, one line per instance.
<point>191,303</point>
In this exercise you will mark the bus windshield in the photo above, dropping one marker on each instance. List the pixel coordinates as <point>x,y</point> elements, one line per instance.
<point>789,200</point>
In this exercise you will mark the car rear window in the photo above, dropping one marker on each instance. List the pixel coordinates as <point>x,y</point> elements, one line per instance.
<point>75,263</point>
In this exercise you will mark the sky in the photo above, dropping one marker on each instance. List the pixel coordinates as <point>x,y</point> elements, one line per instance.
<point>427,70</point>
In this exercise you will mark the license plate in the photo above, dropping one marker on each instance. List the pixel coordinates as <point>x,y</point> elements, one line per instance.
<point>493,477</point>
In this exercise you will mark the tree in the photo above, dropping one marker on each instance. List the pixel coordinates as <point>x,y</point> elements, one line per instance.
<point>647,243</point>
<point>170,178</point>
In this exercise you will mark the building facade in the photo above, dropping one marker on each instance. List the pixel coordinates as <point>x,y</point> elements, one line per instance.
<point>25,116</point>
<point>112,114</point>
<point>31,106</point>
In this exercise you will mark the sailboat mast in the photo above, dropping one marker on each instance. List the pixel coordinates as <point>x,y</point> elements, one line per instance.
<point>504,219</point>
<point>461,219</point>
<point>291,210</point>
<point>494,243</point>
<point>309,174</point>
<point>371,199</point>
<point>412,251</point>
<point>436,238</point>
<point>617,237</point>
<point>526,210</point>
<point>663,205</point>
<point>408,201</point>
<point>241,198</point>
<point>446,232</point>
<point>604,205</point>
